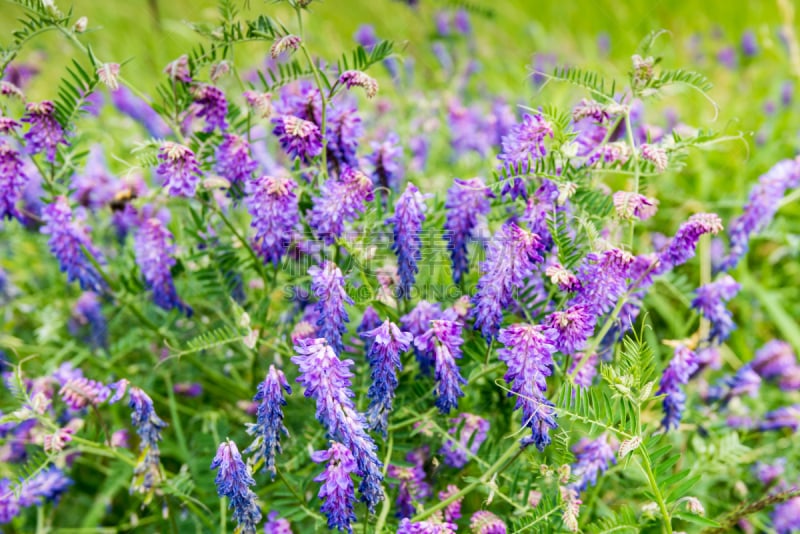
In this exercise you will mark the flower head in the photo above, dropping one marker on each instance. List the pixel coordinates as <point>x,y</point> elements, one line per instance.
<point>425,527</point>
<point>467,201</point>
<point>299,138</point>
<point>412,487</point>
<point>46,485</point>
<point>87,314</point>
<point>593,457</point>
<point>676,375</point>
<point>385,161</point>
<point>154,249</point>
<point>356,78</point>
<point>786,516</point>
<point>81,392</point>
<point>470,432</point>
<point>277,525</point>
<point>442,344</point>
<point>233,481</point>
<point>178,169</point>
<point>140,111</point>
<point>485,522</point>
<point>269,424</point>
<point>45,133</point>
<point>342,200</point>
<point>407,220</point>
<point>774,359</point>
<point>12,181</point>
<point>148,426</point>
<point>327,283</point>
<point>524,143</point>
<point>284,44</point>
<point>633,205</point>
<point>710,301</point>
<point>233,159</point>
<point>603,279</point>
<point>417,322</point>
<point>682,246</point>
<point>178,70</point>
<point>272,203</point>
<point>337,491</point>
<point>572,328</point>
<point>211,105</point>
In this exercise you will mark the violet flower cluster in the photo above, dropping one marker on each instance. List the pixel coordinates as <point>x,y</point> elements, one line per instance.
<point>327,284</point>
<point>407,220</point>
<point>441,344</point>
<point>233,481</point>
<point>269,425</point>
<point>272,203</point>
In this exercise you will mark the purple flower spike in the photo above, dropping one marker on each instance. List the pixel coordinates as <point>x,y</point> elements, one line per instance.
<point>45,133</point>
<point>148,426</point>
<point>572,327</point>
<point>154,249</point>
<point>510,259</point>
<point>585,375</point>
<point>417,322</point>
<point>385,161</point>
<point>467,201</point>
<point>327,283</point>
<point>452,512</point>
<point>425,527</point>
<point>710,301</point>
<point>9,503</point>
<point>384,361</point>
<point>593,457</point>
<point>369,321</point>
<point>233,481</point>
<point>272,203</point>
<point>277,525</point>
<point>676,375</point>
<point>442,343</point>
<point>67,240</point>
<point>786,516</point>
<point>356,78</point>
<point>178,169</point>
<point>140,111</point>
<point>12,181</point>
<point>233,159</point>
<point>299,138</point>
<point>631,205</point>
<point>343,130</point>
<point>78,393</point>
<point>47,485</point>
<point>327,379</point>
<point>786,417</point>
<point>485,522</point>
<point>470,431</point>
<point>681,248</point>
<point>528,353</point>
<point>341,201</point>
<point>774,359</point>
<point>603,280</point>
<point>408,218</point>
<point>337,492</point>
<point>761,207</point>
<point>211,105</point>
<point>524,143</point>
<point>412,487</point>
<point>269,424</point>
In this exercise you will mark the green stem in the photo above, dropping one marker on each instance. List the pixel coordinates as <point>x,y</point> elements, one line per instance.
<point>651,478</point>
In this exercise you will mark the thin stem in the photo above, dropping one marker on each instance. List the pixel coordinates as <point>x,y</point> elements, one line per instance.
<point>635,158</point>
<point>651,478</point>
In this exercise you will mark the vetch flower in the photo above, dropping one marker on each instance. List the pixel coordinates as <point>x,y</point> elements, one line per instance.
<point>425,527</point>
<point>211,105</point>
<point>299,138</point>
<point>656,155</point>
<point>631,205</point>
<point>407,221</point>
<point>411,485</point>
<point>233,480</point>
<point>261,103</point>
<point>342,200</point>
<point>485,522</point>
<point>603,279</point>
<point>45,133</point>
<point>572,328</point>
<point>233,161</point>
<point>470,431</point>
<point>565,279</point>
<point>417,322</point>
<point>140,111</point>
<point>337,492</point>
<point>108,73</point>
<point>510,258</point>
<point>178,169</point>
<point>327,379</point>
<point>327,283</point>
<point>342,132</point>
<point>442,344</point>
<point>79,393</point>
<point>282,44</point>
<point>356,78</point>
<point>585,371</point>
<point>269,424</point>
<point>682,246</point>
<point>148,426</point>
<point>452,511</point>
<point>786,417</point>
<point>46,485</point>
<point>88,315</point>
<point>369,321</point>
<point>774,359</point>
<point>593,457</point>
<point>277,525</point>
<point>786,516</point>
<point>154,249</point>
<point>524,143</point>
<point>9,503</point>
<point>385,161</point>
<point>68,239</point>
<point>384,361</point>
<point>467,201</point>
<point>676,375</point>
<point>272,203</point>
<point>178,70</point>
<point>12,181</point>
<point>710,301</point>
<point>528,353</point>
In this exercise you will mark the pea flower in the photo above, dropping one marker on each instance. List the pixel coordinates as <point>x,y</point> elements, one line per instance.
<point>442,344</point>
<point>710,301</point>
<point>412,487</point>
<point>485,522</point>
<point>299,138</point>
<point>327,283</point>
<point>45,133</point>
<point>603,279</point>
<point>631,205</point>
<point>356,78</point>
<point>87,313</point>
<point>80,392</point>
<point>12,181</point>
<point>233,159</point>
<point>524,143</point>
<point>572,328</point>
<point>676,375</point>
<point>417,322</point>
<point>154,249</point>
<point>593,457</point>
<point>233,480</point>
<point>343,130</point>
<point>385,161</point>
<point>341,201</point>
<point>467,201</point>
<point>272,203</point>
<point>178,169</point>
<point>369,321</point>
<point>682,246</point>
<point>212,106</point>
<point>528,354</point>
<point>452,511</point>
<point>337,490</point>
<point>470,432</point>
<point>277,525</point>
<point>407,220</point>
<point>786,516</point>
<point>148,426</point>
<point>425,527</point>
<point>269,424</point>
<point>178,70</point>
<point>774,359</point>
<point>140,111</point>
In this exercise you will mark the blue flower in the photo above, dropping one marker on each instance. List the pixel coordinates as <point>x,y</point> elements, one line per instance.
<point>233,481</point>
<point>408,218</point>
<point>337,492</point>
<point>269,423</point>
<point>327,283</point>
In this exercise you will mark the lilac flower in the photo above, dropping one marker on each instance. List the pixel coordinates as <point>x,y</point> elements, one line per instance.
<point>276,525</point>
<point>272,203</point>
<point>585,371</point>
<point>154,249</point>
<point>337,490</point>
<point>485,522</point>
<point>148,426</point>
<point>510,258</point>
<point>212,106</point>
<point>68,239</point>
<point>761,206</point>
<point>46,485</point>
<point>342,132</point>
<point>327,283</point>
<point>682,246</point>
<point>525,142</point>
<point>178,169</point>
<point>452,511</point>
<point>774,359</point>
<point>786,516</point>
<point>269,425</point>
<point>233,159</point>
<point>412,487</point>
<point>341,201</point>
<point>593,457</point>
<point>87,314</point>
<point>417,322</point>
<point>425,527</point>
<point>12,181</point>
<point>385,161</point>
<point>384,362</point>
<point>710,301</point>
<point>327,379</point>
<point>528,353</point>
<point>631,205</point>
<point>603,278</point>
<point>442,343</point>
<point>79,393</point>
<point>45,133</point>
<point>467,201</point>
<point>407,220</point>
<point>786,417</point>
<point>470,431</point>
<point>233,480</point>
<point>676,375</point>
<point>140,111</point>
<point>299,138</point>
<point>572,328</point>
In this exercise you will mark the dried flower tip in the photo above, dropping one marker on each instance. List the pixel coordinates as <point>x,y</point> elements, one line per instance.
<point>564,278</point>
<point>80,25</point>
<point>572,508</point>
<point>108,73</point>
<point>51,9</point>
<point>631,205</point>
<point>642,69</point>
<point>656,155</point>
<point>218,70</point>
<point>282,44</point>
<point>565,192</point>
<point>9,89</point>
<point>356,78</point>
<point>178,70</point>
<point>694,505</point>
<point>629,445</point>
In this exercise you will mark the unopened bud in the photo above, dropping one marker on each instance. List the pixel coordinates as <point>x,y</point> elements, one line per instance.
<point>80,25</point>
